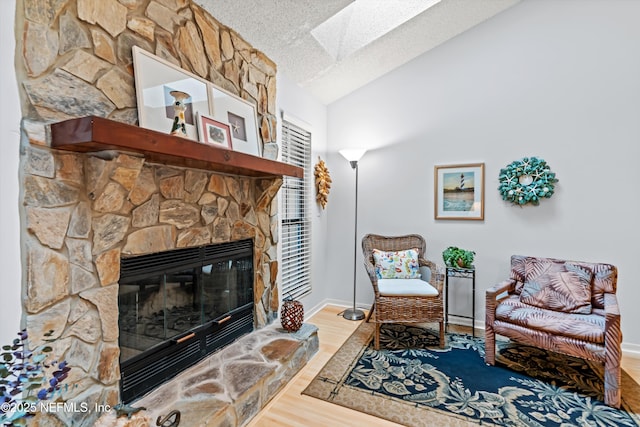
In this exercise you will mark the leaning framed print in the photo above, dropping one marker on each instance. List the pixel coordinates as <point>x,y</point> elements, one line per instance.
<point>459,191</point>
<point>155,79</point>
<point>241,117</point>
<point>213,132</point>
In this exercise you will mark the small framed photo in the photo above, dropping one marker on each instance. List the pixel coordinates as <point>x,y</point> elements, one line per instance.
<point>459,191</point>
<point>241,117</point>
<point>213,132</point>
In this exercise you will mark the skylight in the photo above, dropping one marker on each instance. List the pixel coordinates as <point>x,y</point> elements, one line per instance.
<point>364,21</point>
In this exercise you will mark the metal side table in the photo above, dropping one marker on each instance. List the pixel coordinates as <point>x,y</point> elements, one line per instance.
<point>464,273</point>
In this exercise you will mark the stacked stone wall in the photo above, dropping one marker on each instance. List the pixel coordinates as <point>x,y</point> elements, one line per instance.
<point>74,57</point>
<point>82,212</point>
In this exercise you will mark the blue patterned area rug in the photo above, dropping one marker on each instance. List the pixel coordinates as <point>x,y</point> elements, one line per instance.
<point>411,381</point>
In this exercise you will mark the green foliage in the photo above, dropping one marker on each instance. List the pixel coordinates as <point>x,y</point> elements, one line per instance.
<point>26,377</point>
<point>526,181</point>
<point>452,254</point>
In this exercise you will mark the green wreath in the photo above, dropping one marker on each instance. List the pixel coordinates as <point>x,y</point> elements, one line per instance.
<point>526,181</point>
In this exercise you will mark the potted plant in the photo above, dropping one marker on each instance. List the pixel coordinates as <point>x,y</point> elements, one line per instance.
<point>458,258</point>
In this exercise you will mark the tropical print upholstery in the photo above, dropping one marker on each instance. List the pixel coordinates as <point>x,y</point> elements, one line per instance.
<point>558,286</point>
<point>588,327</point>
<point>605,277</point>
<point>397,264</point>
<point>522,317</point>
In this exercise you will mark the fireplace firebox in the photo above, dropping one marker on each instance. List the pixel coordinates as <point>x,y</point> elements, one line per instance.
<point>178,306</point>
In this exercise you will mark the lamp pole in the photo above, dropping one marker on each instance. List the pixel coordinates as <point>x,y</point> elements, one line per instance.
<point>353,156</point>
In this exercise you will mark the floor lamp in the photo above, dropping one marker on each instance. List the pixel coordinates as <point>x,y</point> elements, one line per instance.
<point>353,155</point>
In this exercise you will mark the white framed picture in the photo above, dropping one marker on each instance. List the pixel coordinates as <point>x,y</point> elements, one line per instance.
<point>155,79</point>
<point>241,117</point>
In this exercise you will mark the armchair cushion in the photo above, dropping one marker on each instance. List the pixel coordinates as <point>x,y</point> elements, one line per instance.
<point>560,286</point>
<point>397,264</point>
<point>583,327</point>
<point>406,287</point>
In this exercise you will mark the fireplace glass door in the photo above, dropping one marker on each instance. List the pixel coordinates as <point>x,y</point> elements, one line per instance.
<point>181,305</point>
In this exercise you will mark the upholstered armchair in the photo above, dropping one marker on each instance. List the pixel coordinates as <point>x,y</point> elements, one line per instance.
<point>564,306</point>
<point>405,284</point>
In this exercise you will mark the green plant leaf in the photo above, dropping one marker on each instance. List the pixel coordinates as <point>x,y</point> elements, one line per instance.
<point>38,358</point>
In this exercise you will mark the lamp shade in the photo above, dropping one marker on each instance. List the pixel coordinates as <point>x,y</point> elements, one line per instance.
<point>353,154</point>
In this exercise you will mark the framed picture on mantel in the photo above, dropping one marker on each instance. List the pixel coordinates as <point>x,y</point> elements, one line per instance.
<point>459,191</point>
<point>213,132</point>
<point>155,79</point>
<point>241,117</point>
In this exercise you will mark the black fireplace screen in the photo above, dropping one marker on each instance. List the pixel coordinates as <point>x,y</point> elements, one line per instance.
<point>176,307</point>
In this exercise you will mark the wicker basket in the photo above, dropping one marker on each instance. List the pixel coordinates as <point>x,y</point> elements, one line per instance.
<point>291,315</point>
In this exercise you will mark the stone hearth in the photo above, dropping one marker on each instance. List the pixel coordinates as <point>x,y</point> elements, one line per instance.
<point>229,388</point>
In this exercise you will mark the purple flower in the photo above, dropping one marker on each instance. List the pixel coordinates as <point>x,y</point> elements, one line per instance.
<point>61,375</point>
<point>42,394</point>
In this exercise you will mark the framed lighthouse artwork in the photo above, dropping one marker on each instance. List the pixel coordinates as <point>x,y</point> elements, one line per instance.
<point>459,191</point>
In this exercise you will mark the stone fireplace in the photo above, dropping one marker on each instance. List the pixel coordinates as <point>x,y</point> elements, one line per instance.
<point>82,214</point>
<point>82,221</point>
<point>177,307</point>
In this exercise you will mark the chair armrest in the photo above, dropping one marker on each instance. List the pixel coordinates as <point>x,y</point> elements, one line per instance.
<point>508,285</point>
<point>611,308</point>
<point>612,332</point>
<point>371,271</point>
<point>435,281</point>
<point>491,304</point>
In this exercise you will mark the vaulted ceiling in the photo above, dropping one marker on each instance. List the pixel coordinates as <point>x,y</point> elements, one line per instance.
<point>363,40</point>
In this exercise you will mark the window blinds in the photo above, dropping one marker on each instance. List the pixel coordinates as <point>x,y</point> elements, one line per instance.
<point>296,213</point>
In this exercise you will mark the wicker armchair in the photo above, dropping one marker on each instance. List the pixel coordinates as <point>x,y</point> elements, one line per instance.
<point>413,307</point>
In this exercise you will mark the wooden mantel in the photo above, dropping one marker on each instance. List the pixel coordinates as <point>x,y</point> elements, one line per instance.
<point>92,134</point>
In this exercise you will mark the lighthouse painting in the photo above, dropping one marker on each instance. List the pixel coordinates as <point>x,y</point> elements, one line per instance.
<point>459,192</point>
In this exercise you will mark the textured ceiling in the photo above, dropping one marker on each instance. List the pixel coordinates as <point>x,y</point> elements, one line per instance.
<point>282,29</point>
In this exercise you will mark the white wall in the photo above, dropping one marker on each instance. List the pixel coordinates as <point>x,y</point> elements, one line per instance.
<point>297,102</point>
<point>10,266</point>
<point>558,80</point>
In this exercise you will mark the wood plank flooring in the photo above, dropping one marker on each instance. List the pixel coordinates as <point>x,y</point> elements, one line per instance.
<point>292,409</point>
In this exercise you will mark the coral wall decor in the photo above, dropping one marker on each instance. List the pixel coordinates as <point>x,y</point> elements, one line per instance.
<point>526,181</point>
<point>323,182</point>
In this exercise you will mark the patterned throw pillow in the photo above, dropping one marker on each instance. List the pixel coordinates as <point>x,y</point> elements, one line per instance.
<point>397,265</point>
<point>558,286</point>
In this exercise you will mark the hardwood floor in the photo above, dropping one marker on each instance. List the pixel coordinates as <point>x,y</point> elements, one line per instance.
<point>291,408</point>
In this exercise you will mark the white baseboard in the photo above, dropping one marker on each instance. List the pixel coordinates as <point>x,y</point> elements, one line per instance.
<point>631,350</point>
